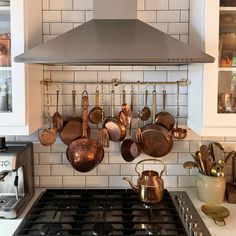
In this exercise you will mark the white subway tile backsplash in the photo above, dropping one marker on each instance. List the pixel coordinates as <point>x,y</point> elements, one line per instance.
<point>170,181</point>
<point>73,16</point>
<point>156,5</point>
<point>176,170</point>
<point>60,28</point>
<point>45,29</point>
<point>62,75</point>
<point>152,76</point>
<point>50,181</point>
<point>186,181</point>
<point>118,182</point>
<point>50,158</point>
<point>128,170</point>
<point>109,169</point>
<point>40,170</point>
<point>147,16</point>
<point>60,4</point>
<point>52,16</point>
<point>180,146</point>
<point>59,169</point>
<point>73,181</point>
<point>97,181</point>
<point>83,4</point>
<point>180,4</point>
<point>178,28</point>
<point>88,15</point>
<point>38,147</point>
<point>185,16</point>
<point>168,16</point>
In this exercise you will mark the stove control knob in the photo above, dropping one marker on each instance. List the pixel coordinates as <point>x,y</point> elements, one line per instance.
<point>182,209</point>
<point>6,163</point>
<point>197,232</point>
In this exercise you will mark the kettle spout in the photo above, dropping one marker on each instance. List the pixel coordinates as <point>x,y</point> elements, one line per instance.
<point>133,186</point>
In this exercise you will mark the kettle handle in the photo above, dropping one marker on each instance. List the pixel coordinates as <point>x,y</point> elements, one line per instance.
<point>151,159</point>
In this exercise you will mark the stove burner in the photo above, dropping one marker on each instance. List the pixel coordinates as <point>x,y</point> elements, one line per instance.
<point>102,229</point>
<point>52,229</point>
<point>153,230</point>
<point>105,212</point>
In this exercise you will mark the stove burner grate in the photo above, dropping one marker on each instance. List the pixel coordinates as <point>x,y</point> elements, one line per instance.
<point>100,212</point>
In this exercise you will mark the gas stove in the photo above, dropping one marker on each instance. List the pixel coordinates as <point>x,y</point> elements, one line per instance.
<point>110,212</point>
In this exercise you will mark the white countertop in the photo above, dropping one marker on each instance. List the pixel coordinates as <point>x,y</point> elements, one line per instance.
<point>8,227</point>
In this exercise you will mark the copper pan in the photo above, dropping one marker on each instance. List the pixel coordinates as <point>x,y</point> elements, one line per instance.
<point>115,128</point>
<point>95,115</point>
<point>164,118</point>
<point>156,140</point>
<point>73,128</point>
<point>84,154</point>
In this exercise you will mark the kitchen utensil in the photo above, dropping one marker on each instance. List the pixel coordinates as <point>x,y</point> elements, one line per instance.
<point>125,113</point>
<point>73,129</point>
<point>229,156</point>
<point>130,148</point>
<point>178,133</point>
<point>217,213</point>
<point>205,159</point>
<point>190,165</point>
<point>95,115</point>
<point>146,112</point>
<point>164,118</point>
<point>57,120</point>
<point>198,157</point>
<point>84,154</point>
<point>150,185</point>
<point>125,107</point>
<point>47,136</point>
<point>115,128</point>
<point>217,151</point>
<point>216,170</point>
<point>102,133</point>
<point>156,140</point>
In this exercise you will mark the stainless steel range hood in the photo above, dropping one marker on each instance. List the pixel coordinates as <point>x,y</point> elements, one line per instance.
<point>114,37</point>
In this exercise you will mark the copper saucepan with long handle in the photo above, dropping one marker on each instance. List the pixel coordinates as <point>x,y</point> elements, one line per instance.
<point>115,128</point>
<point>164,118</point>
<point>156,140</point>
<point>84,154</point>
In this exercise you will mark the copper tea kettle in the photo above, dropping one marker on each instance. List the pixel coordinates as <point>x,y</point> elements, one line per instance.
<point>150,185</point>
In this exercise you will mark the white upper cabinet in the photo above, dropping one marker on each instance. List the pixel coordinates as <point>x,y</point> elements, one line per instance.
<point>212,93</point>
<point>20,90</point>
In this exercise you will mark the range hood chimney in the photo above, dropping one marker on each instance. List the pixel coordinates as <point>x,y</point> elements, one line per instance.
<point>114,37</point>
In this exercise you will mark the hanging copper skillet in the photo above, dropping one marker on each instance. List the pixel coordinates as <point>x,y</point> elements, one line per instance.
<point>95,115</point>
<point>164,118</point>
<point>84,154</point>
<point>73,129</point>
<point>115,128</point>
<point>156,140</point>
<point>146,112</point>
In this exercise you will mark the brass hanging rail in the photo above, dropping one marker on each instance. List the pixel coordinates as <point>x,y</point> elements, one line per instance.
<point>115,82</point>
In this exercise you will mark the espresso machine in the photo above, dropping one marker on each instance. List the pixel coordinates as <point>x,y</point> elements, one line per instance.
<point>16,177</point>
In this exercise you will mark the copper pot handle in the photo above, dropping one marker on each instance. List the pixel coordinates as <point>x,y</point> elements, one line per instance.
<point>85,104</point>
<point>151,159</point>
<point>154,103</point>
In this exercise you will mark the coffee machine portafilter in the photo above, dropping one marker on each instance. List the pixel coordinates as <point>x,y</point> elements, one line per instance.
<point>16,177</point>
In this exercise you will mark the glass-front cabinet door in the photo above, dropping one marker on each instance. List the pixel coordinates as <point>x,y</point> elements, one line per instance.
<point>20,29</point>
<point>227,57</point>
<point>5,59</point>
